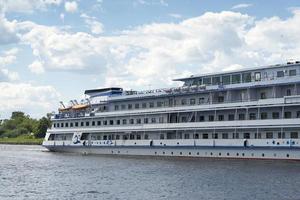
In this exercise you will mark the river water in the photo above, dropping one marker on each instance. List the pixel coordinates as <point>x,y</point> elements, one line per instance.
<point>31,172</point>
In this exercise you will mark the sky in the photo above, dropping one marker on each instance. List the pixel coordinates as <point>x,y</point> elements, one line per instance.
<point>53,50</point>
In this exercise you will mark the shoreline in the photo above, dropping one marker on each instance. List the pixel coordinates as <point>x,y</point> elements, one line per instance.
<point>21,141</point>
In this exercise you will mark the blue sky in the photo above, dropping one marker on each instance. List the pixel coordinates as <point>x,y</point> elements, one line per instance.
<point>52,50</point>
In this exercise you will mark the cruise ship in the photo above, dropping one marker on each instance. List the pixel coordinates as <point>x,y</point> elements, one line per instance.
<point>252,113</point>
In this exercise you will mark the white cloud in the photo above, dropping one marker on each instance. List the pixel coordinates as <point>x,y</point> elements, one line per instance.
<point>7,31</point>
<point>95,26</point>
<point>27,5</point>
<point>34,100</point>
<point>156,53</point>
<point>71,6</point>
<point>36,67</point>
<point>175,15</point>
<point>8,57</point>
<point>242,5</point>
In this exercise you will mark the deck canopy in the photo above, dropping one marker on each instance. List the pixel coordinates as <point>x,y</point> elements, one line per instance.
<point>104,91</point>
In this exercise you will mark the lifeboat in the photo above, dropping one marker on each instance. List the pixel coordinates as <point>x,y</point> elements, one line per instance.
<point>65,109</point>
<point>80,106</point>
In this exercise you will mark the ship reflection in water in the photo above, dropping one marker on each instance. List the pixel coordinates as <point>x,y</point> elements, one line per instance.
<point>30,172</point>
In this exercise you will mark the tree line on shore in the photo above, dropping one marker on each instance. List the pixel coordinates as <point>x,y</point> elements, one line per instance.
<point>21,124</point>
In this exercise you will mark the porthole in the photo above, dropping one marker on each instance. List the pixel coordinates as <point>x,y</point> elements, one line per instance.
<point>274,154</point>
<point>237,154</point>
<point>180,153</point>
<point>112,151</point>
<point>172,152</point>
<point>155,152</point>
<point>177,142</point>
<point>263,155</point>
<point>165,145</point>
<point>190,153</point>
<point>161,143</point>
<point>243,154</point>
<point>228,154</point>
<point>163,152</point>
<point>118,151</point>
<point>198,153</point>
<point>252,154</point>
<point>220,154</point>
<point>287,155</point>
<point>211,153</point>
<point>135,143</point>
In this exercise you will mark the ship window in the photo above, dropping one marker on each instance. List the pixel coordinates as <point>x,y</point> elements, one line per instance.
<point>292,72</point>
<point>57,125</point>
<point>281,135</point>
<point>93,123</point>
<point>294,135</point>
<point>220,99</point>
<point>221,117</point>
<point>51,137</point>
<point>196,136</point>
<point>123,106</point>
<point>246,77</point>
<point>105,122</point>
<point>269,135</point>
<point>105,137</point>
<point>138,121</point>
<point>118,122</point>
<point>54,125</point>
<point>124,121</point>
<point>192,101</point>
<point>116,107</point>
<point>226,80</point>
<point>71,124</point>
<point>275,115</point>
<point>129,106</point>
<point>84,136</point>
<point>246,135</point>
<point>144,105</point>
<point>76,124</point>
<point>287,115</point>
<point>186,136</point>
<point>131,136</point>
<point>215,135</point>
<point>257,76</point>
<point>81,123</point>
<point>264,115</point>
<point>161,119</point>
<point>125,137</point>
<point>62,124</point>
<point>207,80</point>
<point>111,122</point>
<point>231,117</point>
<point>298,114</point>
<point>236,135</point>
<point>87,123</point>
<point>138,137</point>
<point>252,116</point>
<point>211,118</point>
<point>146,137</point>
<point>153,120</point>
<point>145,120</point>
<point>263,95</point>
<point>205,136</point>
<point>162,136</point>
<point>183,119</point>
<point>236,78</point>
<point>117,137</point>
<point>183,101</point>
<point>288,92</point>
<point>280,74</point>
<point>159,104</point>
<point>131,121</point>
<point>201,118</point>
<point>137,106</point>
<point>98,123</point>
<point>216,80</point>
<point>224,135</point>
<point>201,100</point>
<point>242,116</point>
<point>151,105</point>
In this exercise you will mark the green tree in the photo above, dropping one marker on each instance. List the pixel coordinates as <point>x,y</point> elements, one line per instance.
<point>43,125</point>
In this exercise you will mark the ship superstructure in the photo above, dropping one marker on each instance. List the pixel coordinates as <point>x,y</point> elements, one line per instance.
<point>250,113</point>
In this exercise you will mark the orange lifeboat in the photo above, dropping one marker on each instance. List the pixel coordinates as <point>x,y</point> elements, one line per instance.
<point>80,106</point>
<point>64,109</point>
